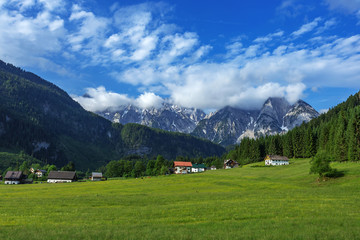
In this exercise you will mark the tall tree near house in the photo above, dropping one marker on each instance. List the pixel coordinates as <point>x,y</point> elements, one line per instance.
<point>160,161</point>
<point>150,168</point>
<point>139,169</point>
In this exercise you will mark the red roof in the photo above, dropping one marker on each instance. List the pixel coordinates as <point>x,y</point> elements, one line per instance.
<point>182,164</point>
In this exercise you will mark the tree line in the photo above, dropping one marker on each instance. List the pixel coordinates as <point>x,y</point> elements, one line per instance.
<point>336,132</point>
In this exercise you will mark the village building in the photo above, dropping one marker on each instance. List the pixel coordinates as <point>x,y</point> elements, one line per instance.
<point>14,177</point>
<point>275,160</point>
<point>96,176</point>
<point>196,168</point>
<point>182,167</point>
<point>213,167</point>
<point>40,173</point>
<point>61,176</point>
<point>229,163</point>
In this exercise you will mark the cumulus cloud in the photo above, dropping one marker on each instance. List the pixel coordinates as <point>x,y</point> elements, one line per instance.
<point>139,47</point>
<point>23,35</point>
<point>149,100</point>
<point>98,99</point>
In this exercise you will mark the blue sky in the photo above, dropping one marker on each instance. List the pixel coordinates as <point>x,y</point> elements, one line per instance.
<point>204,54</point>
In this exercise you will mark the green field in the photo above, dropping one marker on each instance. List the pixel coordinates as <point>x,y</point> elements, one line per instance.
<point>283,202</point>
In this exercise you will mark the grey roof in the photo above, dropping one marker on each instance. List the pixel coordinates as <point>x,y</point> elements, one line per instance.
<point>62,175</point>
<point>13,175</point>
<point>96,174</point>
<point>277,157</point>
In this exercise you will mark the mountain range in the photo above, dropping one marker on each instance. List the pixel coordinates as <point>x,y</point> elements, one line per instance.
<point>226,126</point>
<point>43,121</point>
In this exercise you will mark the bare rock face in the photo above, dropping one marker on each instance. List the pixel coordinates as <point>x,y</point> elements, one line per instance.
<point>300,112</point>
<point>225,125</point>
<point>169,117</point>
<point>229,125</point>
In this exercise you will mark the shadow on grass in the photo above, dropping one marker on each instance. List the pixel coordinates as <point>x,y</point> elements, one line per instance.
<point>334,173</point>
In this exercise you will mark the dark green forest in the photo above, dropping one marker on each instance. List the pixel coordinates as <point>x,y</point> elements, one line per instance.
<point>336,132</point>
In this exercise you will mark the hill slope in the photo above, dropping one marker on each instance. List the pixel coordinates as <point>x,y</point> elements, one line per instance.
<point>43,120</point>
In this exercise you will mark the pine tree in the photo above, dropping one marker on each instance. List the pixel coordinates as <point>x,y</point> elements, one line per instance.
<point>340,147</point>
<point>310,143</point>
<point>288,145</point>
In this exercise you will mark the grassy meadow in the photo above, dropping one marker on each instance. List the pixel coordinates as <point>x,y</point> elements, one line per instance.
<point>283,202</point>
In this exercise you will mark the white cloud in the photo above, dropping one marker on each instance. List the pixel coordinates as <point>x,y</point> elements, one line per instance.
<point>23,36</point>
<point>139,47</point>
<point>98,99</point>
<point>88,37</point>
<point>307,27</point>
<point>349,6</point>
<point>269,37</point>
<point>149,100</point>
<point>321,111</point>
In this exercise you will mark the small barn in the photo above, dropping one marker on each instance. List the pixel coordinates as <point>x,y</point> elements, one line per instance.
<point>198,168</point>
<point>96,176</point>
<point>14,177</point>
<point>61,176</point>
<point>275,160</point>
<point>182,167</point>
<point>229,163</point>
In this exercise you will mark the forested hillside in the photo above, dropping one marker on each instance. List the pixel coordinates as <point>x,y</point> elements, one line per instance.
<point>42,120</point>
<point>337,132</point>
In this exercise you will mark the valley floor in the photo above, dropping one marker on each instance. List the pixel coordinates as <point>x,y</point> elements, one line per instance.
<point>283,202</point>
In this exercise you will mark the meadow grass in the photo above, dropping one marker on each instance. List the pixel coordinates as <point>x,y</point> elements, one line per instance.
<point>283,202</point>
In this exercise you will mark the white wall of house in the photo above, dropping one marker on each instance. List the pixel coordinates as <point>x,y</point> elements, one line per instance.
<point>182,170</point>
<point>11,182</point>
<point>276,162</point>
<point>58,181</point>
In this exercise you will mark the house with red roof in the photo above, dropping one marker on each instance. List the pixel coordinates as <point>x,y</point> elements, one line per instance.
<point>182,167</point>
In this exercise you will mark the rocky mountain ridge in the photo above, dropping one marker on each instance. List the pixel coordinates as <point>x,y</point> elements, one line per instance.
<point>169,117</point>
<point>226,126</point>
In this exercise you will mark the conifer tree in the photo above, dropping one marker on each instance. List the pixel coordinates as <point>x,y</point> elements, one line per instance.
<point>310,143</point>
<point>340,148</point>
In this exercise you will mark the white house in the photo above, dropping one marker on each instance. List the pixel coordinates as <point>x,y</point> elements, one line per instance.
<point>96,176</point>
<point>182,167</point>
<point>61,177</point>
<point>276,160</point>
<point>14,177</point>
<point>198,168</point>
